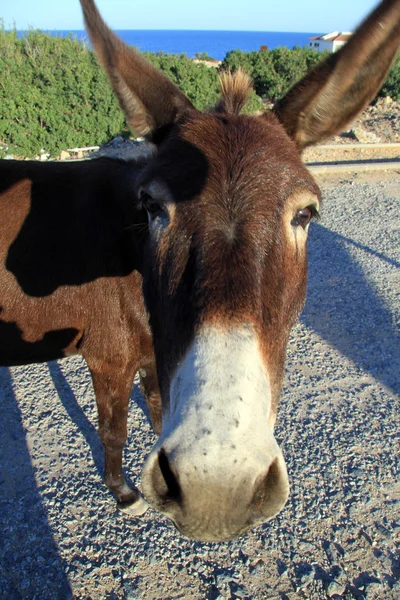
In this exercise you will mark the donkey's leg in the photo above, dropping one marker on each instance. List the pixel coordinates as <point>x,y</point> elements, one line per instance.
<point>151,392</point>
<point>113,389</point>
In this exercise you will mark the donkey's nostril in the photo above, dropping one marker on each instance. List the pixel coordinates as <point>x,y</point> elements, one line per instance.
<point>173,487</point>
<point>272,491</point>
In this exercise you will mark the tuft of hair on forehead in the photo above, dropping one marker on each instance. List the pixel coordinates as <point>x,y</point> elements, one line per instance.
<point>235,88</point>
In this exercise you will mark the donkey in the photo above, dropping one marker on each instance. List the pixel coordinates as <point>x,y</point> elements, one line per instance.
<point>70,283</point>
<point>196,253</point>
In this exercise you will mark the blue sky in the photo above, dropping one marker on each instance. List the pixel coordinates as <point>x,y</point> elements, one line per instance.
<point>252,15</point>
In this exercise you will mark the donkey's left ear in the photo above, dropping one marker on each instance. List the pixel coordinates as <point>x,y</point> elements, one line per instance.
<point>147,97</point>
<point>338,88</point>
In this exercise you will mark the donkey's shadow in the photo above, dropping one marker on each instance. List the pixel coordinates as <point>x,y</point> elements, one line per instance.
<point>345,310</point>
<point>79,418</point>
<point>342,307</point>
<point>22,512</point>
<point>23,557</point>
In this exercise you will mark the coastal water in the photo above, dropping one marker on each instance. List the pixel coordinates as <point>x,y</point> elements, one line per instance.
<point>215,43</point>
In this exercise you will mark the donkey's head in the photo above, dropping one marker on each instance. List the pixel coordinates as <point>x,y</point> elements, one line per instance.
<point>229,203</point>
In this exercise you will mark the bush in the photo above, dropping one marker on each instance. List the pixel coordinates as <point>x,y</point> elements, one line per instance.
<point>198,81</point>
<point>273,71</point>
<point>54,95</point>
<point>391,87</point>
<point>203,56</point>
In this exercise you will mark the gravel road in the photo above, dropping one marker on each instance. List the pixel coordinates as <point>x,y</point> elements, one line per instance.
<point>338,536</point>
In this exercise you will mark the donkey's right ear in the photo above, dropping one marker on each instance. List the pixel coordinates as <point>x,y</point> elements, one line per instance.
<point>330,96</point>
<point>147,97</point>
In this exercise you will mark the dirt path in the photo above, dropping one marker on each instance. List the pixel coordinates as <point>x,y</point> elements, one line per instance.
<point>338,536</point>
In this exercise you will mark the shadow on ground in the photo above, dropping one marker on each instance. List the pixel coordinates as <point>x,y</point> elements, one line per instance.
<point>77,415</point>
<point>345,310</point>
<point>30,562</point>
<point>27,564</point>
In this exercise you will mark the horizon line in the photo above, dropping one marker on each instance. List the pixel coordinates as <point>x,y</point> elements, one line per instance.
<point>31,28</point>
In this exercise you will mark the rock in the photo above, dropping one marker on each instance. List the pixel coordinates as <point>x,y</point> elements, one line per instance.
<point>385,532</point>
<point>117,141</point>
<point>349,134</point>
<point>224,579</point>
<point>307,577</point>
<point>64,155</point>
<point>364,136</point>
<point>124,149</point>
<point>239,591</point>
<point>335,589</point>
<point>374,591</point>
<point>331,552</point>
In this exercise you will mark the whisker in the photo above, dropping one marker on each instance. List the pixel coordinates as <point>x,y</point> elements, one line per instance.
<point>137,226</point>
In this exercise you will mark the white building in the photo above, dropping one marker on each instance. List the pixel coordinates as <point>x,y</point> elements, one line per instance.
<point>330,41</point>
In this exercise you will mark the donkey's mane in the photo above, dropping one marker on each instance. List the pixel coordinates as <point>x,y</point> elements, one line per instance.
<point>235,88</point>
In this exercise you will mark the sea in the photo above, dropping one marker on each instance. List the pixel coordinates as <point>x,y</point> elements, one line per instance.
<point>215,43</point>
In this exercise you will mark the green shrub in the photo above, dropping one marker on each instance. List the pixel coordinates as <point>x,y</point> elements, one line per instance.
<point>273,71</point>
<point>198,81</point>
<point>54,95</point>
<point>203,56</point>
<point>391,87</point>
<point>258,65</point>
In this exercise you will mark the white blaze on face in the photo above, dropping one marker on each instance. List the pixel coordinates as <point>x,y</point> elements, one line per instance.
<point>220,402</point>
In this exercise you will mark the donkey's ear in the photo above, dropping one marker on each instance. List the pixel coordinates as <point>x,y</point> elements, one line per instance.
<point>336,90</point>
<point>148,98</point>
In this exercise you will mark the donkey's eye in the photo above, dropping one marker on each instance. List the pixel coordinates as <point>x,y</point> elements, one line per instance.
<point>304,215</point>
<point>152,206</point>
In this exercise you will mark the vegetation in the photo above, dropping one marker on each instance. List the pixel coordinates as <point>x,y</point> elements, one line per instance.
<point>203,56</point>
<point>198,81</point>
<point>391,87</point>
<point>273,71</point>
<point>54,95</point>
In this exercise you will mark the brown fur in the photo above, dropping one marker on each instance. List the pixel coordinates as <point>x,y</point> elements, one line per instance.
<point>226,246</point>
<point>70,284</point>
<point>235,88</point>
<point>337,89</point>
<point>229,234</point>
<point>154,100</point>
<point>225,257</point>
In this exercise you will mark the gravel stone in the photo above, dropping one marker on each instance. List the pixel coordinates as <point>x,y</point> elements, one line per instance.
<point>335,589</point>
<point>61,535</point>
